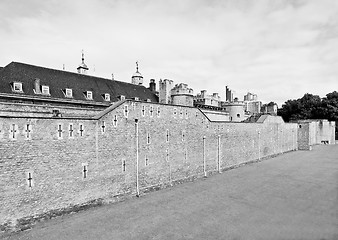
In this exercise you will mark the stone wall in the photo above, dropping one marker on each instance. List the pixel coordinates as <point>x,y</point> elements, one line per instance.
<point>312,132</point>
<point>46,168</point>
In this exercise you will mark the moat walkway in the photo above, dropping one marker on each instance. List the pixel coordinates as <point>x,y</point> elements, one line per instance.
<point>292,196</point>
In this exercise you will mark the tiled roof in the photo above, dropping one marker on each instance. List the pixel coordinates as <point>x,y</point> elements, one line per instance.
<point>58,80</point>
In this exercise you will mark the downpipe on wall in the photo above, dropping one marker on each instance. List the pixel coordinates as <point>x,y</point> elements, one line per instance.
<point>137,158</point>
<point>204,163</point>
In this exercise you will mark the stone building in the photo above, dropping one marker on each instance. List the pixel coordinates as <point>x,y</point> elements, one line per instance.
<point>182,95</point>
<point>205,99</point>
<point>70,140</point>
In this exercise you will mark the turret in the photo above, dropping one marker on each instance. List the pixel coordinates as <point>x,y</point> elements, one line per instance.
<point>137,78</point>
<point>164,91</point>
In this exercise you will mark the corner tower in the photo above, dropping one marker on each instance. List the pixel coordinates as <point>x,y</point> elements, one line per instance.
<point>82,68</point>
<point>137,78</point>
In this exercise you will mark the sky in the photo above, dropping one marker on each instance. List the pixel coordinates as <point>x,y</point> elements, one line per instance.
<point>277,49</point>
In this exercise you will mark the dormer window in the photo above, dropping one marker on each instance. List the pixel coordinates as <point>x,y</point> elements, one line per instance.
<point>106,96</point>
<point>89,95</point>
<point>17,87</point>
<point>45,90</point>
<point>122,97</point>
<point>69,92</point>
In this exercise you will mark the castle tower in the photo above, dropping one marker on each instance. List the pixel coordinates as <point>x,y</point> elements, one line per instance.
<point>182,95</point>
<point>137,78</point>
<point>165,87</point>
<point>82,68</point>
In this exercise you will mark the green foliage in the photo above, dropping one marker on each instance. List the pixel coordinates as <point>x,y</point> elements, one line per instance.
<point>311,107</point>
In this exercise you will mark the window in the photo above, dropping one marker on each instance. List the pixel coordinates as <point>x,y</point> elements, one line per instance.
<point>59,131</point>
<point>122,97</point>
<point>13,131</point>
<point>151,111</point>
<point>71,131</point>
<point>28,130</point>
<point>103,127</point>
<point>84,170</point>
<point>124,165</point>
<point>115,121</point>
<point>126,111</point>
<point>17,87</point>
<point>81,129</point>
<point>69,92</point>
<point>45,90</point>
<point>186,113</point>
<point>89,95</point>
<point>29,179</point>
<point>143,111</point>
<point>106,97</point>
<point>158,111</point>
<point>238,115</point>
<point>148,138</point>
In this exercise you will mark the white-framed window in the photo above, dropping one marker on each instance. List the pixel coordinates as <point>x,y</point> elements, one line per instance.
<point>84,170</point>
<point>45,90</point>
<point>148,138</point>
<point>106,97</point>
<point>103,127</point>
<point>124,166</point>
<point>81,129</point>
<point>69,92</point>
<point>89,95</point>
<point>151,111</point>
<point>126,111</point>
<point>59,131</point>
<point>29,179</point>
<point>13,131</point>
<point>71,130</point>
<point>17,87</point>
<point>146,161</point>
<point>122,97</point>
<point>115,121</point>
<point>28,131</point>
<point>143,111</point>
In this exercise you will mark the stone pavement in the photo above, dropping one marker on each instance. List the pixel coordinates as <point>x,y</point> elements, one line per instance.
<point>292,196</point>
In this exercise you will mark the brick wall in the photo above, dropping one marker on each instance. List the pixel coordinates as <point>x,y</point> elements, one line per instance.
<point>98,163</point>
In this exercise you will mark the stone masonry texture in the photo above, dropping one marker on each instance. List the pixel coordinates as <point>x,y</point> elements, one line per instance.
<point>64,162</point>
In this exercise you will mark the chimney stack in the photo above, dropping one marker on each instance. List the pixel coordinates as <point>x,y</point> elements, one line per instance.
<point>152,85</point>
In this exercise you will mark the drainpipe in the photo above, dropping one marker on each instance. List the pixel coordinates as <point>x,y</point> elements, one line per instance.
<point>259,145</point>
<point>137,153</point>
<point>204,163</point>
<point>219,153</point>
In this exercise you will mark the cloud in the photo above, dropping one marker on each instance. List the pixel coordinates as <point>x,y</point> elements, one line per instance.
<point>278,49</point>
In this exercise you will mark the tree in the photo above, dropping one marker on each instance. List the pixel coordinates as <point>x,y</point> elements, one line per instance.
<point>311,107</point>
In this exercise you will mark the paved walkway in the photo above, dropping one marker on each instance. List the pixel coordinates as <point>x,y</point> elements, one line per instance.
<point>292,196</point>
